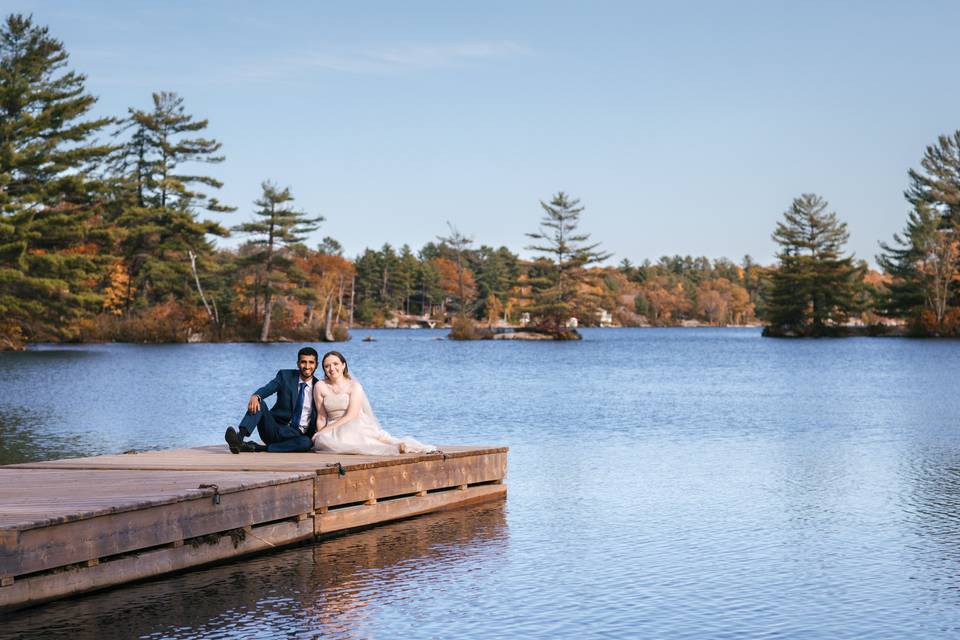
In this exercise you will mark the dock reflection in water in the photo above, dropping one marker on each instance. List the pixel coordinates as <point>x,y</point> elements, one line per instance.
<point>336,588</point>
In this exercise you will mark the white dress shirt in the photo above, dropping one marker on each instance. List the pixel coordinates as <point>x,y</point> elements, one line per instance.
<point>304,423</point>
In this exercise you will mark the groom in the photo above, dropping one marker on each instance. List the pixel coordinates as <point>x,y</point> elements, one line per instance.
<point>289,425</point>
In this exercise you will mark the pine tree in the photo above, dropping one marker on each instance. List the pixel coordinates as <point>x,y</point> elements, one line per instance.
<point>557,295</point>
<point>390,291</point>
<point>50,230</point>
<point>924,261</point>
<point>368,283</point>
<point>157,204</point>
<point>815,287</point>
<point>497,272</point>
<point>278,228</point>
<point>407,267</point>
<point>428,284</point>
<point>937,184</point>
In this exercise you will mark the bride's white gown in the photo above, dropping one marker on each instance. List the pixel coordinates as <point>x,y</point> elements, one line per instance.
<point>364,435</point>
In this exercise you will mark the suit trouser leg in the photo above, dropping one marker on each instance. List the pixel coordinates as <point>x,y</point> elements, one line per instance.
<point>279,438</point>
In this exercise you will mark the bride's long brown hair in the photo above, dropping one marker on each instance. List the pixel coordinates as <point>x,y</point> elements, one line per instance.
<point>346,369</point>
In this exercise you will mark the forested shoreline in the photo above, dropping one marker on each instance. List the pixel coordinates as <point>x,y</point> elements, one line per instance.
<point>103,237</point>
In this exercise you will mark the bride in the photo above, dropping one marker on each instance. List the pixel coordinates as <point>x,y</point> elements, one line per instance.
<point>345,420</point>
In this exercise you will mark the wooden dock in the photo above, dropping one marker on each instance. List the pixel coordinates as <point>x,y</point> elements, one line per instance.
<point>76,525</point>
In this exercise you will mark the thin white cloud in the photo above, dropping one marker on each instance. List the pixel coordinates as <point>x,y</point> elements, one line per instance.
<point>399,59</point>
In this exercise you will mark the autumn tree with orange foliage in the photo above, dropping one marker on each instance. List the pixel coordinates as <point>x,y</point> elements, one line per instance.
<point>721,302</point>
<point>456,283</point>
<point>329,277</point>
<point>663,301</point>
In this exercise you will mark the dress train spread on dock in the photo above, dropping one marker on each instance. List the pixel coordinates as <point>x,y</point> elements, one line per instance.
<point>362,435</point>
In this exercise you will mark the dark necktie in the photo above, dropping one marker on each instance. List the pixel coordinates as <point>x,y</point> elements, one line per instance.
<point>298,408</point>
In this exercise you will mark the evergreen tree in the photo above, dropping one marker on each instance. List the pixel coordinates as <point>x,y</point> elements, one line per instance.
<point>556,295</point>
<point>391,279</point>
<point>407,268</point>
<point>924,260</point>
<point>330,247</point>
<point>50,230</point>
<point>367,285</point>
<point>497,272</point>
<point>815,287</point>
<point>430,293</point>
<point>924,263</point>
<point>157,203</point>
<point>278,228</point>
<point>937,184</point>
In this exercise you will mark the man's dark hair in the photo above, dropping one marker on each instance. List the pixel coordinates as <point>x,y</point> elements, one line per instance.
<point>307,351</point>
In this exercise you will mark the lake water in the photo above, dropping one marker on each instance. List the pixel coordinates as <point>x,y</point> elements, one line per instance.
<point>677,483</point>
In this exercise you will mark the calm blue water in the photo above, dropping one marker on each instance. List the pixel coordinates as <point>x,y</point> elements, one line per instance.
<point>677,483</point>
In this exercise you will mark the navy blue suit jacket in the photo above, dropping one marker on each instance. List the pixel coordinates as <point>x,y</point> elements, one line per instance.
<point>286,384</point>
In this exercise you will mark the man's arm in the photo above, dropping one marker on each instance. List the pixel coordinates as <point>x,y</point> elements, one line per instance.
<point>265,391</point>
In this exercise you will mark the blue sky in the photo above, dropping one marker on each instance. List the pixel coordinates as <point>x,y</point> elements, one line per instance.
<point>686,128</point>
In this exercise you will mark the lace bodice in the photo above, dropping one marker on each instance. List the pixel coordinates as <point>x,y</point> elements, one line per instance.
<point>335,404</point>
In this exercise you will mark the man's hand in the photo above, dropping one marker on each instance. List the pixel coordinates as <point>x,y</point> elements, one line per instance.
<point>254,405</point>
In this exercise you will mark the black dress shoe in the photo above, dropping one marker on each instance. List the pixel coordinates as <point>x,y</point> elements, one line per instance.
<point>234,441</point>
<point>252,447</point>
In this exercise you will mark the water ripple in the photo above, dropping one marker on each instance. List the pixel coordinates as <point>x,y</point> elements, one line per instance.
<point>679,484</point>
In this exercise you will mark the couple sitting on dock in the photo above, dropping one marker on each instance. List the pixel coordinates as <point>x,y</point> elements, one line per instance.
<point>330,415</point>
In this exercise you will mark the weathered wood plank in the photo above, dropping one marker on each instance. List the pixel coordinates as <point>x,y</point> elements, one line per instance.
<point>35,498</point>
<point>360,485</point>
<point>365,515</point>
<point>36,589</point>
<point>79,540</point>
<point>218,457</point>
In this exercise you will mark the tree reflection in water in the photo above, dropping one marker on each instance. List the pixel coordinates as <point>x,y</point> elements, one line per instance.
<point>334,588</point>
<point>36,385</point>
<point>28,436</point>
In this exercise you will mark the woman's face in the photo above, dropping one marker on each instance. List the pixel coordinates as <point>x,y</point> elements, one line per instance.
<point>333,367</point>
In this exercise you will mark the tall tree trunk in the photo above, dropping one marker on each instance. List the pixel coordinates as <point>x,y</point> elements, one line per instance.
<point>328,327</point>
<point>196,278</point>
<point>339,299</point>
<point>267,306</point>
<point>267,313</point>
<point>353,291</point>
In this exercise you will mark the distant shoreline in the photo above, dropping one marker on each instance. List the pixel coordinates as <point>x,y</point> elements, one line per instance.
<point>868,331</point>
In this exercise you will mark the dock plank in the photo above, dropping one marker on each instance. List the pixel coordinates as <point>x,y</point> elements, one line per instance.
<point>147,564</point>
<point>359,485</point>
<point>219,458</point>
<point>63,517</point>
<point>368,514</point>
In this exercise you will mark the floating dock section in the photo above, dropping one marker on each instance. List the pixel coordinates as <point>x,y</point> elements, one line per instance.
<point>77,525</point>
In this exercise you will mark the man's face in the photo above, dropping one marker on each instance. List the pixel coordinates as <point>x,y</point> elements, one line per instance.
<point>307,365</point>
